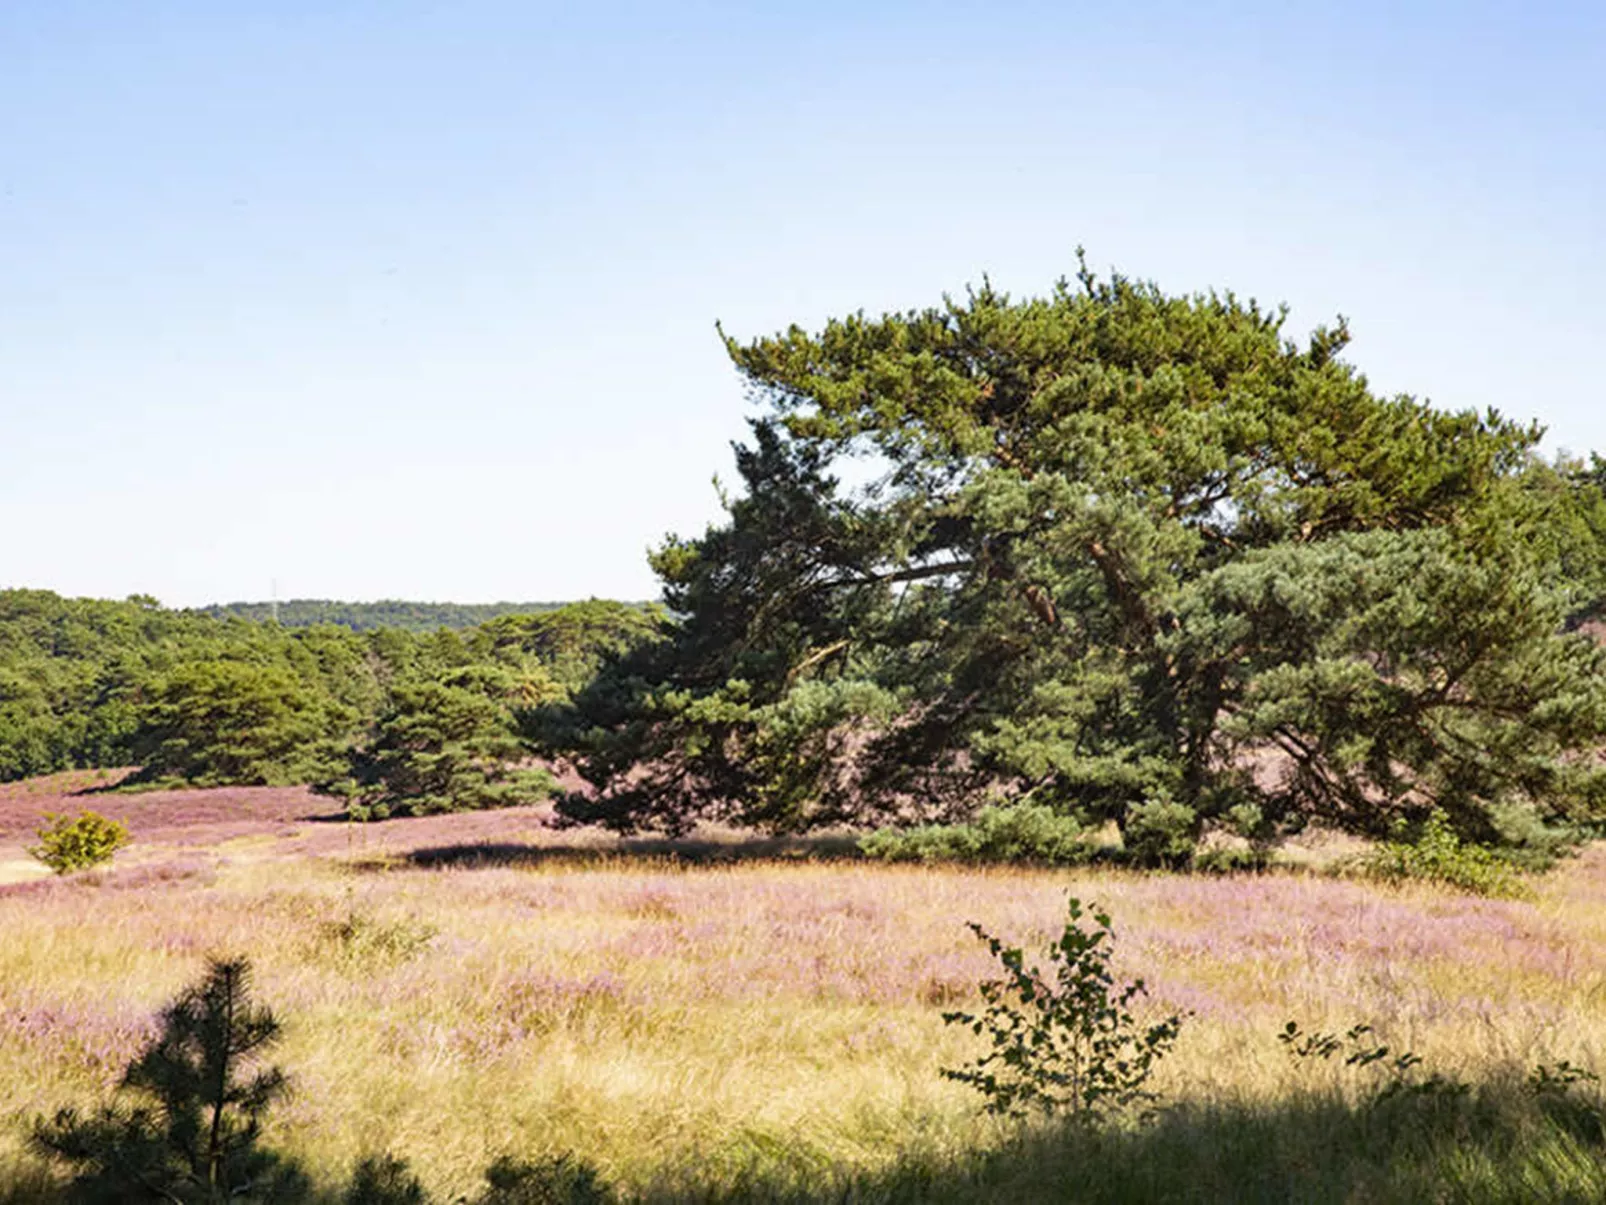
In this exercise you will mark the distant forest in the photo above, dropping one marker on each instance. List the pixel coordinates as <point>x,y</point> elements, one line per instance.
<point>371,616</point>
<point>388,717</point>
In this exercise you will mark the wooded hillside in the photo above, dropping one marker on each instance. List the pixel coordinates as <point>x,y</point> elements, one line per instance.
<point>379,715</point>
<point>370,616</point>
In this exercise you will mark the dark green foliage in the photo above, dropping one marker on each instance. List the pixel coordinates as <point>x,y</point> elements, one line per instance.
<point>208,701</point>
<point>1569,1096</point>
<point>370,617</point>
<point>1134,557</point>
<point>453,734</point>
<point>384,1180</point>
<point>1433,853</point>
<point>1360,1050</point>
<point>1161,833</point>
<point>1572,494</point>
<point>192,1135</point>
<point>568,643</point>
<point>69,843</point>
<point>68,669</point>
<point>1067,1043</point>
<point>91,683</point>
<point>1021,832</point>
<point>1559,1088</point>
<point>555,1180</point>
<point>215,722</point>
<point>445,745</point>
<point>1229,860</point>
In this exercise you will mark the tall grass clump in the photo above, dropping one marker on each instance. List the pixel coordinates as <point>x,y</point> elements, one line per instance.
<point>362,941</point>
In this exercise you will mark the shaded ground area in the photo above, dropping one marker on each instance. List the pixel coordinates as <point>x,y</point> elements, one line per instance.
<point>707,847</point>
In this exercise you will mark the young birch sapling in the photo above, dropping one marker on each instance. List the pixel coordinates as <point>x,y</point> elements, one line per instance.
<point>1064,1041</point>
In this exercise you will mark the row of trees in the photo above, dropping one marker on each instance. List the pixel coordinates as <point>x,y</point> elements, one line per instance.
<point>389,720</point>
<point>1122,555</point>
<point>422,617</point>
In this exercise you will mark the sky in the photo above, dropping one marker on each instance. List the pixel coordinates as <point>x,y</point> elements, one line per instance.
<point>329,299</point>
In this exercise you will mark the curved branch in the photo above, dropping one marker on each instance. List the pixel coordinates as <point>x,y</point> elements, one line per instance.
<point>814,658</point>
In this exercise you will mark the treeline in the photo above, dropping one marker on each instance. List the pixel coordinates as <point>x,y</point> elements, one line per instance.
<point>389,719</point>
<point>1133,559</point>
<point>371,616</point>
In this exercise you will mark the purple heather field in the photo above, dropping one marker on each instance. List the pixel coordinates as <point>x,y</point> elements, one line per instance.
<point>564,989</point>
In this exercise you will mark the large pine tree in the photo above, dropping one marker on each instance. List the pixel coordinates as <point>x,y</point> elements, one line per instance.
<point>1120,552</point>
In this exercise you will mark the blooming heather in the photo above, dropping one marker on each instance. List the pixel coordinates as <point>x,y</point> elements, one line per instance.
<point>642,1008</point>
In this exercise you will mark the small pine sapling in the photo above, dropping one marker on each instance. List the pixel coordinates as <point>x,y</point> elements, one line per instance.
<point>192,1136</point>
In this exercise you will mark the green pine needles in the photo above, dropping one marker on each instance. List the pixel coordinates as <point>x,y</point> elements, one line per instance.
<point>1135,557</point>
<point>191,1135</point>
<point>1065,1041</point>
<point>1017,833</point>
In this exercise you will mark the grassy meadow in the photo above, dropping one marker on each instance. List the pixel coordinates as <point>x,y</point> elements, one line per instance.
<point>754,1023</point>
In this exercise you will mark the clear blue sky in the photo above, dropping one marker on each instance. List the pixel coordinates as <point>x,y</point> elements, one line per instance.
<point>417,299</point>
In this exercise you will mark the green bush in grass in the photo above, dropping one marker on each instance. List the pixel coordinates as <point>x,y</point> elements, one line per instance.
<point>1022,832</point>
<point>1436,854</point>
<point>69,843</point>
<point>1064,1041</point>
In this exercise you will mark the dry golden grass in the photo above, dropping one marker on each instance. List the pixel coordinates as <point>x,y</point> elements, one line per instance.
<point>651,1013</point>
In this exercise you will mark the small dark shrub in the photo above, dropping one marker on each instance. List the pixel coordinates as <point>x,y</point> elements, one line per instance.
<point>1068,1043</point>
<point>554,1180</point>
<point>1227,859</point>
<point>1160,834</point>
<point>384,1180</point>
<point>191,1136</point>
<point>69,843</point>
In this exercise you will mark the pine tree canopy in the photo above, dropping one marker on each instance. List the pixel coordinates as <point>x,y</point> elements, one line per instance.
<point>1109,550</point>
